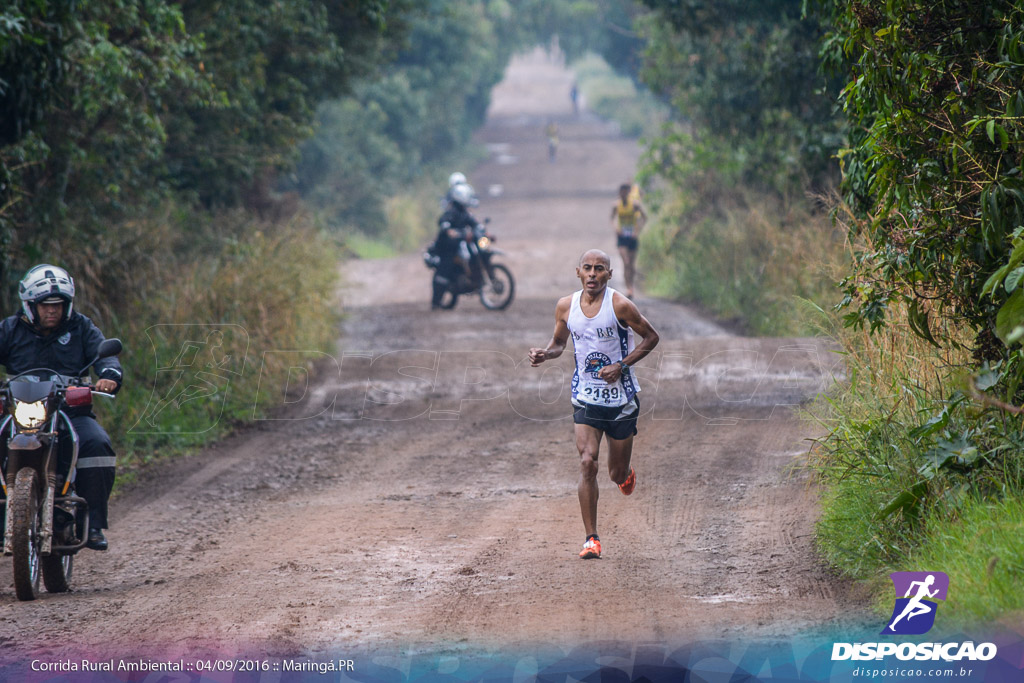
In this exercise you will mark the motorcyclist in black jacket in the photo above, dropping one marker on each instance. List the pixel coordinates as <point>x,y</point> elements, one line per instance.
<point>455,225</point>
<point>49,334</point>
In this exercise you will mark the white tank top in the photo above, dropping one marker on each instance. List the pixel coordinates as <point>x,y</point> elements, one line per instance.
<point>597,342</point>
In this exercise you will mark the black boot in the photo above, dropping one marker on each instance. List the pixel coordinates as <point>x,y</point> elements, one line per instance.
<point>97,541</point>
<point>440,286</point>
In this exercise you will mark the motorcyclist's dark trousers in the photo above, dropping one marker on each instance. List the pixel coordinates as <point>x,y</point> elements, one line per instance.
<point>96,463</point>
<point>444,278</point>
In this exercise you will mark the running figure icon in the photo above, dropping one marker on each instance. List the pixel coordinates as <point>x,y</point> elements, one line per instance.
<point>916,607</point>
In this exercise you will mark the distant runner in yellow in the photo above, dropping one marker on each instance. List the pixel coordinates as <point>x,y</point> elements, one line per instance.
<point>628,219</point>
<point>551,131</point>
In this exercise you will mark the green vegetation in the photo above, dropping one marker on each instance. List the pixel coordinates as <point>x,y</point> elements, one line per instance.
<point>138,147</point>
<point>924,452</point>
<point>919,475</point>
<point>979,547</point>
<point>922,460</point>
<point>750,100</point>
<point>113,108</point>
<point>201,319</point>
<point>751,263</point>
<point>618,98</point>
<point>200,170</point>
<point>416,114</point>
<point>750,133</point>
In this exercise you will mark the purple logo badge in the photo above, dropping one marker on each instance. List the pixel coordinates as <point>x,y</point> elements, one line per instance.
<point>916,595</point>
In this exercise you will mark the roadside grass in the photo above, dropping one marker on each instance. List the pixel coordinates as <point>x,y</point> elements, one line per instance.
<point>225,317</point>
<point>917,475</point>
<point>752,263</point>
<point>211,326</point>
<point>617,98</point>
<point>411,213</point>
<point>365,247</point>
<point>983,556</point>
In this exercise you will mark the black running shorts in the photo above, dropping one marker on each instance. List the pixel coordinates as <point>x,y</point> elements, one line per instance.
<point>627,242</point>
<point>608,419</point>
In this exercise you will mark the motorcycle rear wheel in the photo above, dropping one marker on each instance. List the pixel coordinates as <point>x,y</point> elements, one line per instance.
<point>25,522</point>
<point>498,293</point>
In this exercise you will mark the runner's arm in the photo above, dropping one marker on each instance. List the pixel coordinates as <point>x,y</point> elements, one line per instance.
<point>629,316</point>
<point>559,338</point>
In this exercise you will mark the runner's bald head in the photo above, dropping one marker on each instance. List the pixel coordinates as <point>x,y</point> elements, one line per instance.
<point>596,253</point>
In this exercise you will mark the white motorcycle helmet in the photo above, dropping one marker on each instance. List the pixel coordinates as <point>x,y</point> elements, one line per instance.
<point>456,179</point>
<point>46,284</point>
<point>463,194</point>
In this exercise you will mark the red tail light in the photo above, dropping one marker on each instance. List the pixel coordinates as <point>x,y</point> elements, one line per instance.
<point>78,396</point>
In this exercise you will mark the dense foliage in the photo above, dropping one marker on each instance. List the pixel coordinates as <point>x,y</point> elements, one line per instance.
<point>79,144</point>
<point>419,111</point>
<point>746,85</point>
<point>924,444</point>
<point>422,107</point>
<point>149,146</point>
<point>932,173</point>
<point>111,108</point>
<point>753,130</point>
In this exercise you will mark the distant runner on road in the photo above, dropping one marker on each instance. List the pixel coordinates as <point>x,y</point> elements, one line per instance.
<point>628,218</point>
<point>551,131</point>
<point>602,323</point>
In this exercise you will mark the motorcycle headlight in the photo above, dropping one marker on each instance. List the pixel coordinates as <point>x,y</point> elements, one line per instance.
<point>30,415</point>
<point>483,242</point>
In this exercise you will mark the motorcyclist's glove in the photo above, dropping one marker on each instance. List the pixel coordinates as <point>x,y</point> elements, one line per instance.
<point>112,374</point>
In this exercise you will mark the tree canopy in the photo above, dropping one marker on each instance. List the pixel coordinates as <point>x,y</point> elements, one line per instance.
<point>746,86</point>
<point>933,168</point>
<point>108,108</point>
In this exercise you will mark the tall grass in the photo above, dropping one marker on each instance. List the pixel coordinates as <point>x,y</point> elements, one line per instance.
<point>411,212</point>
<point>197,300</point>
<point>618,98</point>
<point>752,262</point>
<point>918,476</point>
<point>983,556</point>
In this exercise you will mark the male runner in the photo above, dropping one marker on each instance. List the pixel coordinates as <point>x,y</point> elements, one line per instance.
<point>602,323</point>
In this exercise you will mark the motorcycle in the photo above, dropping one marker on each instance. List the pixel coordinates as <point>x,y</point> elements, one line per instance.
<point>45,523</point>
<point>493,282</point>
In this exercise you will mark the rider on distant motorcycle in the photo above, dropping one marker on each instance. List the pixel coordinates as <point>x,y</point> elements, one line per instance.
<point>454,180</point>
<point>456,225</point>
<point>47,334</point>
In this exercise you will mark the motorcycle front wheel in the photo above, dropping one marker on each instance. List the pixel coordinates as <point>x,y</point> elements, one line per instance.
<point>498,292</point>
<point>26,518</point>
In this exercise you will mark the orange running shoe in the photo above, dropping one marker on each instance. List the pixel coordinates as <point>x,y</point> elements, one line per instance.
<point>627,486</point>
<point>591,549</point>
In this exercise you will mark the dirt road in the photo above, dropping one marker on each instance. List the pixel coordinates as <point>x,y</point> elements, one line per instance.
<point>423,495</point>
